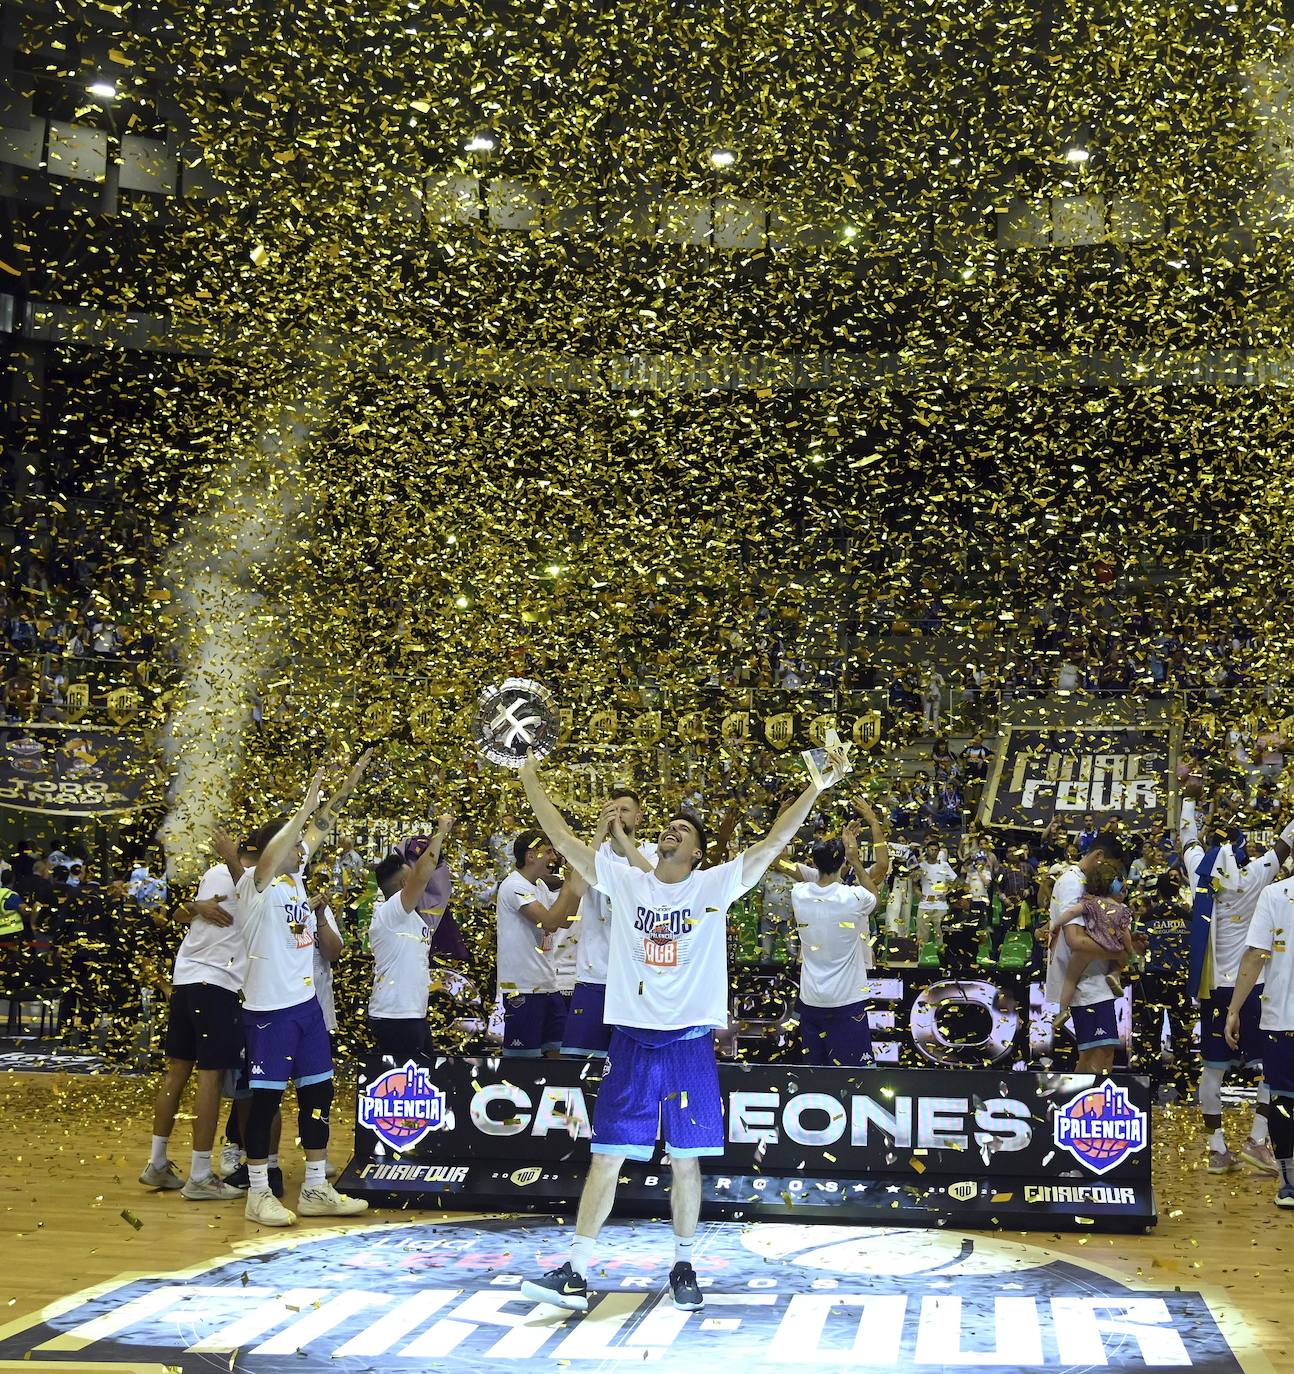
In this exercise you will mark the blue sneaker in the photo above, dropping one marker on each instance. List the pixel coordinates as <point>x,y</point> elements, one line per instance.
<point>1285,1198</point>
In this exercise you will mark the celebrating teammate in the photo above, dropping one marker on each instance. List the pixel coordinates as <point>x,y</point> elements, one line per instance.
<point>587,1033</point>
<point>1227,886</point>
<point>667,992</point>
<point>400,937</point>
<point>527,911</point>
<point>835,946</point>
<point>1269,943</point>
<point>286,1036</point>
<point>204,1026</point>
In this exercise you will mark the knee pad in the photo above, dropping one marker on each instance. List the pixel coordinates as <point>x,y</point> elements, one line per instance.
<point>265,1103</point>
<point>313,1104</point>
<point>1211,1090</point>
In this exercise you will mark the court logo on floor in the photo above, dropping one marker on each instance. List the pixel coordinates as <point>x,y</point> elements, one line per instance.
<point>779,1297</point>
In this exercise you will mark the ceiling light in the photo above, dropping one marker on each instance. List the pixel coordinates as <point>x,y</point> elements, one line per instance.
<point>722,157</point>
<point>1076,154</point>
<point>105,90</point>
<point>481,143</point>
<point>461,602</point>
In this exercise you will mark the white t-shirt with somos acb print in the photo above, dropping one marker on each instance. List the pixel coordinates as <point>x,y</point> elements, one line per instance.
<point>668,962</point>
<point>279,929</point>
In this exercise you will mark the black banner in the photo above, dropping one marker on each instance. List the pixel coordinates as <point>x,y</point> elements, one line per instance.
<point>1124,773</point>
<point>974,1146</point>
<point>71,770</point>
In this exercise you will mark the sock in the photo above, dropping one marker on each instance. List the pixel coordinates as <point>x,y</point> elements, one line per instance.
<point>1286,1167</point>
<point>1217,1141</point>
<point>158,1157</point>
<point>315,1173</point>
<point>581,1254</point>
<point>683,1250</point>
<point>200,1164</point>
<point>1258,1132</point>
<point>272,1162</point>
<point>258,1175</point>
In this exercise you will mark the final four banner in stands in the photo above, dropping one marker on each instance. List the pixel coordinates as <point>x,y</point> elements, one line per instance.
<point>1125,773</point>
<point>924,1147</point>
<point>71,770</point>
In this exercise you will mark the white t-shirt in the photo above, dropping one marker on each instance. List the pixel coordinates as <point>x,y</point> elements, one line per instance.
<point>323,976</point>
<point>594,922</point>
<point>835,942</point>
<point>1235,899</point>
<point>562,947</point>
<point>279,928</point>
<point>1271,929</point>
<point>668,964</point>
<point>523,961</point>
<point>1092,987</point>
<point>936,879</point>
<point>211,953</point>
<point>401,943</point>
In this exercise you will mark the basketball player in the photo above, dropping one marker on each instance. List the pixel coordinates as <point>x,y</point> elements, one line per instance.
<point>1093,1006</point>
<point>286,1036</point>
<point>400,937</point>
<point>1270,943</point>
<point>1227,888</point>
<point>836,947</point>
<point>587,1033</point>
<point>204,1027</point>
<point>527,910</point>
<point>667,992</point>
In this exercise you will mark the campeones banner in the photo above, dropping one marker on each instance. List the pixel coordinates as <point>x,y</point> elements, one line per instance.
<point>911,1147</point>
<point>68,770</point>
<point>1111,772</point>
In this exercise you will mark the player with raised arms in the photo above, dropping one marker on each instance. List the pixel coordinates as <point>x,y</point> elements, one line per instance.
<point>667,992</point>
<point>286,1036</point>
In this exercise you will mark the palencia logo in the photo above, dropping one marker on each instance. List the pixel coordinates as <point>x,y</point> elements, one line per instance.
<point>779,1297</point>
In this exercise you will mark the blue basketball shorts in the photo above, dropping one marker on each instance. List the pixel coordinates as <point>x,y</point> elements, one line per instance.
<point>289,1044</point>
<point>836,1035</point>
<point>1096,1025</point>
<point>647,1089</point>
<point>1214,1050</point>
<point>1278,1062</point>
<point>532,1023</point>
<point>587,1035</point>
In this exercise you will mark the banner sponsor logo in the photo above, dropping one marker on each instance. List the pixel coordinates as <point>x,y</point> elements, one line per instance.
<point>963,1192</point>
<point>402,1106</point>
<point>779,1297</point>
<point>414,1173</point>
<point>523,1178</point>
<point>1080,1193</point>
<point>1100,1127</point>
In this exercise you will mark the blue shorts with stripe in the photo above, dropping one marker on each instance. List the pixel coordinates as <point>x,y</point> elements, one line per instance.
<point>288,1044</point>
<point>648,1090</point>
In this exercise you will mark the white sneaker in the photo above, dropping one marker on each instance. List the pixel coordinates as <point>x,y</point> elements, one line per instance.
<point>231,1156</point>
<point>209,1189</point>
<point>266,1210</point>
<point>331,1171</point>
<point>167,1179</point>
<point>325,1201</point>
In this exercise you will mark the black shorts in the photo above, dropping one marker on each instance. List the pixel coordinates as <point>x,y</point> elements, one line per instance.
<point>400,1037</point>
<point>205,1026</point>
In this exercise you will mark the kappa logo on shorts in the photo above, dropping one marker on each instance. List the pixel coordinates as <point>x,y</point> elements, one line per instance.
<point>1100,1127</point>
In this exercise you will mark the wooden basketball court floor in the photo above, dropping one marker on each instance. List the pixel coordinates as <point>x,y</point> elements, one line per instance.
<point>75,1222</point>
